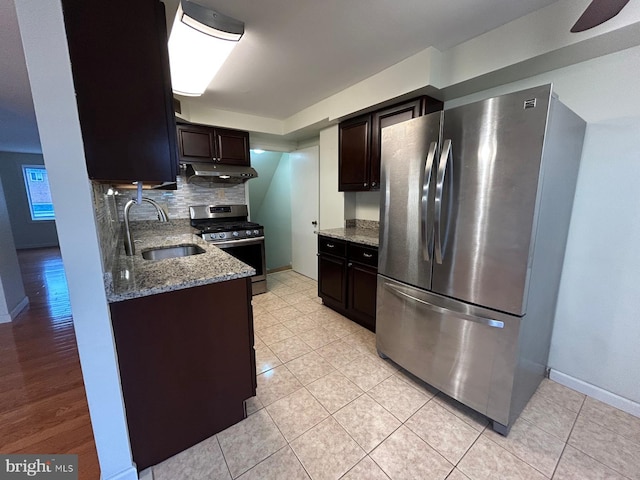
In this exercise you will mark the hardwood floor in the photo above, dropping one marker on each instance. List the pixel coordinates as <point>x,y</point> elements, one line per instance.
<point>43,406</point>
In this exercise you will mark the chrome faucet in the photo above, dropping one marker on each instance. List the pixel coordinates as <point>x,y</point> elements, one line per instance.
<point>129,247</point>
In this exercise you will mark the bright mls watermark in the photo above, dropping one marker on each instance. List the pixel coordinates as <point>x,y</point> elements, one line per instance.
<point>50,467</point>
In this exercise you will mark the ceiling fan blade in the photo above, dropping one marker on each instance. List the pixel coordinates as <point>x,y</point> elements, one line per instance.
<point>598,11</point>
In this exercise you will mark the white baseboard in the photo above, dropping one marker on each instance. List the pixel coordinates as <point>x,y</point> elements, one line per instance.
<point>146,474</point>
<point>19,307</point>
<point>598,393</point>
<point>129,474</point>
<point>8,317</point>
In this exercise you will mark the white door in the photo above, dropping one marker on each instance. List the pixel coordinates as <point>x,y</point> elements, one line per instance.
<point>305,210</point>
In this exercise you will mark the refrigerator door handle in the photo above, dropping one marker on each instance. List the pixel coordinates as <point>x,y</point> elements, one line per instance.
<point>442,170</point>
<point>424,200</point>
<point>490,322</point>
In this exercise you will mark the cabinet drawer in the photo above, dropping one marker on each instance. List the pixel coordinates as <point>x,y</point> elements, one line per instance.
<point>332,246</point>
<point>363,255</point>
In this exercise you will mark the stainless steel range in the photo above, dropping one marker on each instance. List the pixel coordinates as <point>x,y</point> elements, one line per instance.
<point>227,227</point>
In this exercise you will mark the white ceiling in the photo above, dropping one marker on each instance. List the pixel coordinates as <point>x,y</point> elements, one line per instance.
<point>294,52</point>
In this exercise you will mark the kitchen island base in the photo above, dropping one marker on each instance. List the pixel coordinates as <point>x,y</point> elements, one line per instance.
<point>187,365</point>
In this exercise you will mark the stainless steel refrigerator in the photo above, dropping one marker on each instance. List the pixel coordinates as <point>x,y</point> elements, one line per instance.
<point>475,210</point>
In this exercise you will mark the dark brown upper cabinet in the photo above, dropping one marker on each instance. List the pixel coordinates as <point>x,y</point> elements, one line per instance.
<point>201,143</point>
<point>232,146</point>
<point>355,155</point>
<point>123,89</point>
<point>360,142</point>
<point>196,143</point>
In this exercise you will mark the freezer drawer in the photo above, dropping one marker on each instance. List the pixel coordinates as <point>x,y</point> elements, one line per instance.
<point>465,351</point>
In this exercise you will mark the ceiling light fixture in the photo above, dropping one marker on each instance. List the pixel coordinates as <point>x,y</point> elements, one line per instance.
<point>200,42</point>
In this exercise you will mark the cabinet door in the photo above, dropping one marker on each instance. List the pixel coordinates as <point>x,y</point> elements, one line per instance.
<point>196,143</point>
<point>161,23</point>
<point>354,154</point>
<point>121,89</point>
<point>430,105</point>
<point>232,146</point>
<point>384,118</point>
<point>332,280</point>
<point>185,376</point>
<point>361,300</point>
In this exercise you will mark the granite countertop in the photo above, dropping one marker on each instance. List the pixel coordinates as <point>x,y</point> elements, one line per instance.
<point>362,232</point>
<point>132,277</point>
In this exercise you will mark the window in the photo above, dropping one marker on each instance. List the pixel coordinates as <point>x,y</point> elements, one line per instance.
<point>36,182</point>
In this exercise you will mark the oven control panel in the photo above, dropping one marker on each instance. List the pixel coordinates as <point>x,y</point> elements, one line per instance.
<point>235,235</point>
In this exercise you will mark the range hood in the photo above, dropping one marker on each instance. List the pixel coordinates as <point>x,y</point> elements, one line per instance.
<point>208,173</point>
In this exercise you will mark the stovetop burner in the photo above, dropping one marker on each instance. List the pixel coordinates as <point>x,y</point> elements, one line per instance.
<point>218,223</point>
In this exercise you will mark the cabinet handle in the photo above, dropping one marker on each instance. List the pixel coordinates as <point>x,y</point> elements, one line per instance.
<point>373,184</point>
<point>367,255</point>
<point>330,245</point>
<point>349,264</point>
<point>365,184</point>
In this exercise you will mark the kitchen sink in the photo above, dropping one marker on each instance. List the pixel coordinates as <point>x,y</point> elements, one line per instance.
<point>173,251</point>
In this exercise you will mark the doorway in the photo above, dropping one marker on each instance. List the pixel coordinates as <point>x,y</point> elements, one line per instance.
<point>305,212</point>
<point>285,200</point>
<point>270,205</point>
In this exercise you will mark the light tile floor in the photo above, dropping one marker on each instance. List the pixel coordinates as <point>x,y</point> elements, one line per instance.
<point>328,407</point>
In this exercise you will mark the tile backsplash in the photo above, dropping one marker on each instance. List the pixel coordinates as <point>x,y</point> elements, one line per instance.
<point>107,222</point>
<point>357,223</point>
<point>109,208</point>
<point>177,202</point>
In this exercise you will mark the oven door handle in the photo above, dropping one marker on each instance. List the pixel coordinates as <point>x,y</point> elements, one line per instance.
<point>243,241</point>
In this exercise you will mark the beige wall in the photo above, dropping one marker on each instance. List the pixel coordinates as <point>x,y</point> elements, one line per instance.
<point>598,300</point>
<point>599,266</point>
<point>26,232</point>
<point>12,296</point>
<point>332,202</point>
<point>596,334</point>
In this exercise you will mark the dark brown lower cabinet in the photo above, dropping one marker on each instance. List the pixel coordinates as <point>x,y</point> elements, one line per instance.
<point>331,279</point>
<point>347,276</point>
<point>361,299</point>
<point>187,364</point>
